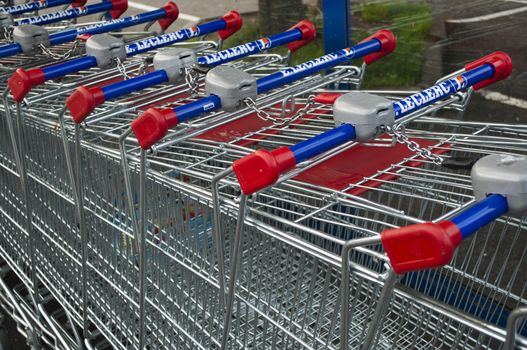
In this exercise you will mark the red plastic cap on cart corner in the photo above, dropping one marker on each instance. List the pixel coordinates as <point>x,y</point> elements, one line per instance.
<point>262,168</point>
<point>233,23</point>
<point>118,8</point>
<point>22,81</point>
<point>309,33</point>
<point>421,246</point>
<point>79,3</point>
<point>501,62</point>
<point>83,101</point>
<point>172,14</point>
<point>388,43</point>
<point>153,125</point>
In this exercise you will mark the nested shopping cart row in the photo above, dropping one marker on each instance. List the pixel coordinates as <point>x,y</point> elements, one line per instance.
<point>163,245</point>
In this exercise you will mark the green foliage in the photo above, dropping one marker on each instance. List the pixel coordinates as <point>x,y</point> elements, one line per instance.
<point>372,13</point>
<point>411,22</point>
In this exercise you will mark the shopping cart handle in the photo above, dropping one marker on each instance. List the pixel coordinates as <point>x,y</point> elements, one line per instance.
<point>500,61</point>
<point>262,168</point>
<point>83,100</point>
<point>388,42</point>
<point>22,81</point>
<point>431,245</point>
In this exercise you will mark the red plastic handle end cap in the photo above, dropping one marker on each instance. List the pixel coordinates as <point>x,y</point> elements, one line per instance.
<point>327,98</point>
<point>22,81</point>
<point>388,43</point>
<point>172,14</point>
<point>83,101</point>
<point>118,8</point>
<point>79,3</point>
<point>262,168</point>
<point>233,23</point>
<point>421,246</point>
<point>501,62</point>
<point>309,33</point>
<point>153,125</point>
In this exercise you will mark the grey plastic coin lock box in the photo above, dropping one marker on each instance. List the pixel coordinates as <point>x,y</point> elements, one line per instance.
<point>231,85</point>
<point>366,112</point>
<point>6,20</point>
<point>505,175</point>
<point>106,49</point>
<point>30,37</point>
<point>174,61</point>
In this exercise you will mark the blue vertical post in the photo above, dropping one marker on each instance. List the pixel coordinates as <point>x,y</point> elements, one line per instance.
<point>337,24</point>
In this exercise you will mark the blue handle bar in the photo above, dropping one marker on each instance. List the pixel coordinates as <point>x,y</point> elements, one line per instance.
<point>328,140</point>
<point>75,65</point>
<point>159,77</point>
<point>98,28</point>
<point>249,48</point>
<point>139,83</point>
<point>480,214</point>
<point>174,37</point>
<point>33,6</point>
<point>66,14</point>
<point>308,68</point>
<point>439,91</point>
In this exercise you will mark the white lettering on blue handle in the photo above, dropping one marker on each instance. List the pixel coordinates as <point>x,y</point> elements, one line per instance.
<point>347,52</point>
<point>244,49</point>
<point>436,92</point>
<point>88,28</point>
<point>161,40</point>
<point>79,11</point>
<point>27,6</point>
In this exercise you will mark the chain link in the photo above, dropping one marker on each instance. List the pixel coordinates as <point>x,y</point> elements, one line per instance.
<point>398,131</point>
<point>122,69</point>
<point>63,56</point>
<point>280,121</point>
<point>191,78</point>
<point>8,34</point>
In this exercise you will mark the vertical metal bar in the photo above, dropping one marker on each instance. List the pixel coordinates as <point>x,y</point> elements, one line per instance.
<point>337,24</point>
<point>142,249</point>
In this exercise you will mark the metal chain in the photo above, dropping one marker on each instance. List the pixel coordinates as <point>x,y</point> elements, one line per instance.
<point>280,121</point>
<point>65,55</point>
<point>398,131</point>
<point>122,69</point>
<point>8,34</point>
<point>191,78</point>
